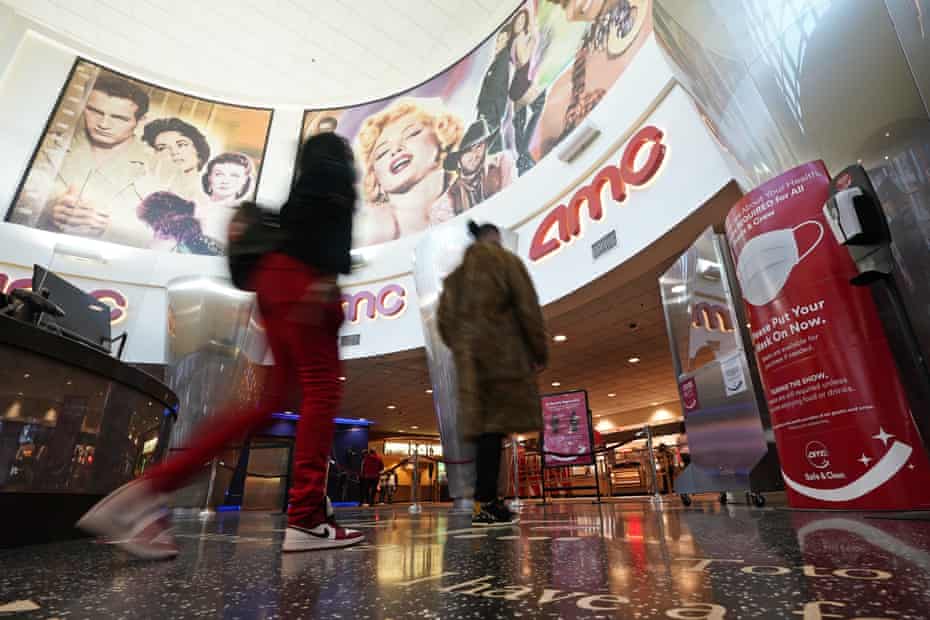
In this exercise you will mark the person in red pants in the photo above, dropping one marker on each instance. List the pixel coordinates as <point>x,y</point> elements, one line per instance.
<point>301,307</point>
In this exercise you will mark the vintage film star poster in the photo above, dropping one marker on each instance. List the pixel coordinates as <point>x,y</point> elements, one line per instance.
<point>436,151</point>
<point>131,163</point>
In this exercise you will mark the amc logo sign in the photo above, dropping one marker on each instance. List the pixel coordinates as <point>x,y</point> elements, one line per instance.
<point>817,454</point>
<point>389,302</point>
<point>118,303</point>
<point>629,172</point>
<point>711,317</point>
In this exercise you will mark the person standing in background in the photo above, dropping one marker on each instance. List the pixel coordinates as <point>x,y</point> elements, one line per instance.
<point>371,472</point>
<point>490,317</point>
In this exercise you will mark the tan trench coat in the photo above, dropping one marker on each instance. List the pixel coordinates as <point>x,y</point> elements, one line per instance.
<point>490,318</point>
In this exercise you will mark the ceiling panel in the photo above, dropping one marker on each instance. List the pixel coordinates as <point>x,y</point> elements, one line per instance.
<point>275,51</point>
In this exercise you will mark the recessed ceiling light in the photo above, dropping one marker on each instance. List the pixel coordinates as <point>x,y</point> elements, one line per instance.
<point>414,428</point>
<point>556,384</point>
<point>392,407</point>
<point>886,157</point>
<point>429,391</point>
<point>679,288</point>
<point>653,404</point>
<point>26,376</point>
<point>633,360</point>
<point>559,338</point>
<point>887,134</point>
<point>612,395</point>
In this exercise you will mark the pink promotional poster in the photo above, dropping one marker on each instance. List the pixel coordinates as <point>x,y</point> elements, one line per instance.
<point>567,429</point>
<point>843,428</point>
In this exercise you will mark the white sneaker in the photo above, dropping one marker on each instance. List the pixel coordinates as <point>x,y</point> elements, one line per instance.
<point>134,518</point>
<point>326,535</point>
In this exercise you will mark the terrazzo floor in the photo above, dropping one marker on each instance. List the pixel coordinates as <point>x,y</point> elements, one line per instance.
<point>625,559</point>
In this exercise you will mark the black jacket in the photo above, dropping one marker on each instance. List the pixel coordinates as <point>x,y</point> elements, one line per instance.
<point>318,217</point>
<point>492,99</point>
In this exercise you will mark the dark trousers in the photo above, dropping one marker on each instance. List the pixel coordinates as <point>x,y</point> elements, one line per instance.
<point>488,464</point>
<point>369,485</point>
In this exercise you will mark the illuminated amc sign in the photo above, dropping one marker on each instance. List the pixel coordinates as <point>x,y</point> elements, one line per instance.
<point>711,317</point>
<point>389,302</point>
<point>118,303</point>
<point>565,219</point>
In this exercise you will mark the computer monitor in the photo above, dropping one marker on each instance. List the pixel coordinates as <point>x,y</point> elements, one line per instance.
<point>85,319</point>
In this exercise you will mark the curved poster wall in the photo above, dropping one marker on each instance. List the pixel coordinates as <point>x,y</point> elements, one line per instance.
<point>135,164</point>
<point>438,150</point>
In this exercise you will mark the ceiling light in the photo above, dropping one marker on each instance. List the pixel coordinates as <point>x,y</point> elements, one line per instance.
<point>612,395</point>
<point>556,384</point>
<point>633,360</point>
<point>887,134</point>
<point>559,338</point>
<point>429,391</point>
<point>653,404</point>
<point>392,407</point>
<point>886,157</point>
<point>679,288</point>
<point>414,428</point>
<point>26,376</point>
<point>603,425</point>
<point>342,378</point>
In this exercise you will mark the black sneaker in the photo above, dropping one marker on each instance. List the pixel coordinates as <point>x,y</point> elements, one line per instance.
<point>481,517</point>
<point>502,515</point>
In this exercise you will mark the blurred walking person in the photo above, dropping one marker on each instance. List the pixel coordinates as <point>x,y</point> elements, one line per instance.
<point>300,303</point>
<point>489,316</point>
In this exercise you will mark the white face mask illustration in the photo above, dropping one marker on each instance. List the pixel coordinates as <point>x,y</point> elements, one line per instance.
<point>766,262</point>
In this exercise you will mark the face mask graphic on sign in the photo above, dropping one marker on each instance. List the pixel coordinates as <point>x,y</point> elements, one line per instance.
<point>767,260</point>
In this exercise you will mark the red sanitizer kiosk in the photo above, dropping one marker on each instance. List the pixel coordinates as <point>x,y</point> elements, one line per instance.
<point>843,423</point>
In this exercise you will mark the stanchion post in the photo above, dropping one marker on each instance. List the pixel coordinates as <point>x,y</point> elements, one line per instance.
<point>415,507</point>
<point>597,479</point>
<point>652,465</point>
<point>516,504</point>
<point>207,511</point>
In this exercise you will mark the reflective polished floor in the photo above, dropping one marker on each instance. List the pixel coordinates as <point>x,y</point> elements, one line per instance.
<point>623,559</point>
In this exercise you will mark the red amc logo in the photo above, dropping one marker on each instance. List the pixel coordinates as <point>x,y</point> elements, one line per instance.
<point>118,303</point>
<point>567,217</point>
<point>712,317</point>
<point>390,302</point>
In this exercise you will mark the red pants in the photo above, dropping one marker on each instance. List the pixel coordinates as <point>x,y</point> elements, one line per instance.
<point>303,333</point>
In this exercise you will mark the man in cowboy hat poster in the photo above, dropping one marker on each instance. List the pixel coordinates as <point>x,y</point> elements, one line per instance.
<point>479,175</point>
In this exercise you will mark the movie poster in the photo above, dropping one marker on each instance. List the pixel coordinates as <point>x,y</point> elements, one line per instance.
<point>567,435</point>
<point>131,163</point>
<point>458,139</point>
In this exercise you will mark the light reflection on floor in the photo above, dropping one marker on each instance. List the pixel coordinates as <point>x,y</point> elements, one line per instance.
<point>570,560</point>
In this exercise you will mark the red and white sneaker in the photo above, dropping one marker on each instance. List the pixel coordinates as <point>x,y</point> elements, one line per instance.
<point>326,534</point>
<point>134,518</point>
